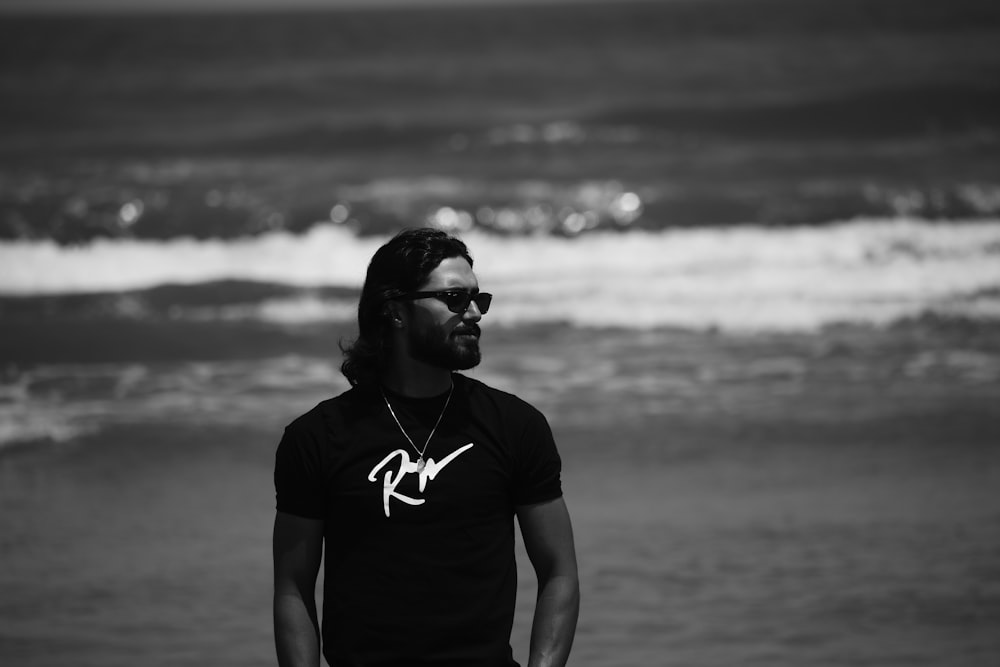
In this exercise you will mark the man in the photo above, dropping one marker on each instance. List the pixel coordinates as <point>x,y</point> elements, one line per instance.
<point>412,478</point>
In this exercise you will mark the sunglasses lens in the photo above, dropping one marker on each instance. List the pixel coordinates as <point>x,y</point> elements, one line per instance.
<point>457,302</point>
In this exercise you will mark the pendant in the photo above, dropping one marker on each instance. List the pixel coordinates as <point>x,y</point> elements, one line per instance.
<point>420,464</point>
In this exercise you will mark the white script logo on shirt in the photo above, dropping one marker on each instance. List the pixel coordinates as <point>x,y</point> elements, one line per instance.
<point>406,466</point>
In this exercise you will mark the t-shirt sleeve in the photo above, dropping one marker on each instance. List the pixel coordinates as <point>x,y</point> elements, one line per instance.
<point>539,468</point>
<point>298,470</point>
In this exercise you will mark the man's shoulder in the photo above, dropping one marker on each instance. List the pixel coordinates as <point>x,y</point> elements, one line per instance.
<point>334,410</point>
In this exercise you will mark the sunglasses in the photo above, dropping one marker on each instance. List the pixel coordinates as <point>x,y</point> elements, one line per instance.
<point>457,301</point>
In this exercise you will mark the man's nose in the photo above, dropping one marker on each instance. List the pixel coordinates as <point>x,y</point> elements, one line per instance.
<point>472,313</point>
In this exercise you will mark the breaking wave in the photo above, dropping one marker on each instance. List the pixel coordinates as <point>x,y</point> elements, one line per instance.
<point>733,278</point>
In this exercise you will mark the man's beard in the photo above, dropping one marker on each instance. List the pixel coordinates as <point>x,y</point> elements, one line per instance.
<point>454,352</point>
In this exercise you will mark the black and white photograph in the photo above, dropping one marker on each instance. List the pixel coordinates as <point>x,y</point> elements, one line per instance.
<point>500,333</point>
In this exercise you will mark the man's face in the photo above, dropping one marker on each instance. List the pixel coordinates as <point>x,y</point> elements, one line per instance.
<point>437,336</point>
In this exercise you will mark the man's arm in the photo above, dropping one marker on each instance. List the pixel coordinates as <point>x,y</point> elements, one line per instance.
<point>548,539</point>
<point>298,550</point>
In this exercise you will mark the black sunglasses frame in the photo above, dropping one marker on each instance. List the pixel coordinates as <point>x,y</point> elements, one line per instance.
<point>458,301</point>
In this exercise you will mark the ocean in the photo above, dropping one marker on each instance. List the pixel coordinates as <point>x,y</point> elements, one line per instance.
<point>745,256</point>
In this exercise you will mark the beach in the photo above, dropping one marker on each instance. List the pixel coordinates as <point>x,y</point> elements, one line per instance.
<point>745,259</point>
<point>788,515</point>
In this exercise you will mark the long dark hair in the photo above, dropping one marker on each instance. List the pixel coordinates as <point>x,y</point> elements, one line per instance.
<point>399,267</point>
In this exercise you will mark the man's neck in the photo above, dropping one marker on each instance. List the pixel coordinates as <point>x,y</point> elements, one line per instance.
<point>422,382</point>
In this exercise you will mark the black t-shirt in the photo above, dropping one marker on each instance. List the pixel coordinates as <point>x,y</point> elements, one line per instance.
<point>419,565</point>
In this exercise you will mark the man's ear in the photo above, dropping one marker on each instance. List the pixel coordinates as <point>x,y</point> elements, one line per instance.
<point>393,314</point>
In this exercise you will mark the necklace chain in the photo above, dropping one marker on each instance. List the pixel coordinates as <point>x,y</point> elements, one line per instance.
<point>420,452</point>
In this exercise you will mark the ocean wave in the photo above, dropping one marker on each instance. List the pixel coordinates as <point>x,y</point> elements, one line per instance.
<point>682,374</point>
<point>754,279</point>
<point>736,278</point>
<point>22,423</point>
<point>147,202</point>
<point>35,207</point>
<point>59,403</point>
<point>326,255</point>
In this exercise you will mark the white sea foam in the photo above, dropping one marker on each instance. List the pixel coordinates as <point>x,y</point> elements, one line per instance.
<point>326,255</point>
<point>33,423</point>
<point>59,403</point>
<point>737,278</point>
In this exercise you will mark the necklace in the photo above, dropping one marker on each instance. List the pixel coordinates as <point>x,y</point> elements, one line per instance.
<point>420,452</point>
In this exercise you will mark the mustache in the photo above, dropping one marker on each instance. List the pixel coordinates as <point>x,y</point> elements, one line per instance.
<point>472,329</point>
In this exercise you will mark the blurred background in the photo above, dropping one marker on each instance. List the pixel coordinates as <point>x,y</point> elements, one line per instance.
<point>746,258</point>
